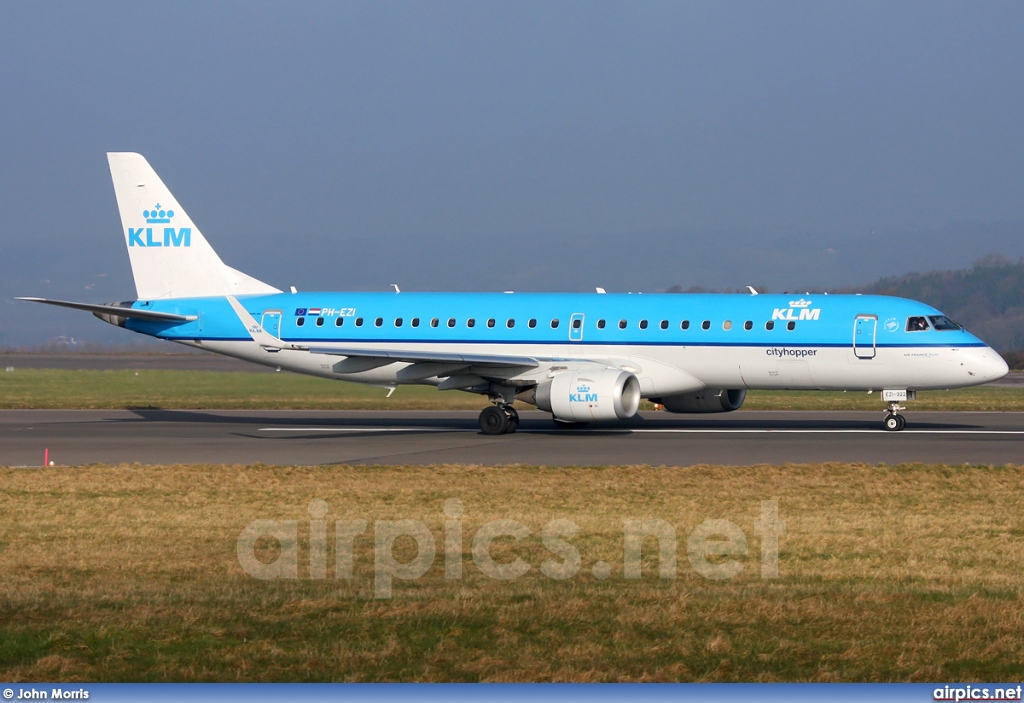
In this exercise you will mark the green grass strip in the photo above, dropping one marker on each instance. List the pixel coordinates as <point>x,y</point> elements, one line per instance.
<point>81,389</point>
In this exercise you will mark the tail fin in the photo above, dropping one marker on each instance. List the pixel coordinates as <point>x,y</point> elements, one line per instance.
<point>170,257</point>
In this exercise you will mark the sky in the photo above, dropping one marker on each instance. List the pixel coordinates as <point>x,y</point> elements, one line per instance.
<point>541,146</point>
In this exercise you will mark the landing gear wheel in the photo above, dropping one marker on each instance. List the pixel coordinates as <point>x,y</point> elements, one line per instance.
<point>493,420</point>
<point>894,423</point>
<point>566,425</point>
<point>513,419</point>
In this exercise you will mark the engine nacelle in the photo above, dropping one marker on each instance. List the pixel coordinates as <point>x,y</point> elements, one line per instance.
<point>710,400</point>
<point>584,396</point>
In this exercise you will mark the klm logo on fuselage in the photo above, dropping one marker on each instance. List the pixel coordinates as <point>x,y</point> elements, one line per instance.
<point>583,395</point>
<point>797,310</point>
<point>152,237</point>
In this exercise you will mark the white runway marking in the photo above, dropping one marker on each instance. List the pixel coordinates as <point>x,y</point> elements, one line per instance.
<point>640,430</point>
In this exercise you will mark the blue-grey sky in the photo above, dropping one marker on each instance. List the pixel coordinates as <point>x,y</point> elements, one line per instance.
<point>511,145</point>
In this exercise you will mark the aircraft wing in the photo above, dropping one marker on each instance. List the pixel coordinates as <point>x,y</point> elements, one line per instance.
<point>422,356</point>
<point>150,315</point>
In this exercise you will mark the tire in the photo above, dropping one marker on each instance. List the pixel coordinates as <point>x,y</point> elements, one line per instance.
<point>892,423</point>
<point>493,420</point>
<point>903,423</point>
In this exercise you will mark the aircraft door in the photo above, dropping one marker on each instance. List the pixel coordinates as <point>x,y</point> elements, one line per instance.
<point>864,331</point>
<point>272,323</point>
<point>576,327</point>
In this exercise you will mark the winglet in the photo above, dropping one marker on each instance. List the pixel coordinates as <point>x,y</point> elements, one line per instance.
<point>259,335</point>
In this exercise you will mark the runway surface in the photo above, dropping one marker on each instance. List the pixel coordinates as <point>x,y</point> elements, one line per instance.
<point>76,437</point>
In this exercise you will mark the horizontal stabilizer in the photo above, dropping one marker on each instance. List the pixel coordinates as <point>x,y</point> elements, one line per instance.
<point>150,315</point>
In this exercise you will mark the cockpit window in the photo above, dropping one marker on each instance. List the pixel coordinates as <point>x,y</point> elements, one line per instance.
<point>916,324</point>
<point>943,323</point>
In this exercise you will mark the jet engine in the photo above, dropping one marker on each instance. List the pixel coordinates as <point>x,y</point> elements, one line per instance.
<point>710,400</point>
<point>585,395</point>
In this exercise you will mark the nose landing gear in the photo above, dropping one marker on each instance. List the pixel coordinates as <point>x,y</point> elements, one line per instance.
<point>894,422</point>
<point>499,419</point>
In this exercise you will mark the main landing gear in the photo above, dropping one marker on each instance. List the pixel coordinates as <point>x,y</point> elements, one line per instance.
<point>499,419</point>
<point>894,422</point>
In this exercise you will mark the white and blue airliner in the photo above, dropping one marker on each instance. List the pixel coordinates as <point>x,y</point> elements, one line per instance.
<point>580,357</point>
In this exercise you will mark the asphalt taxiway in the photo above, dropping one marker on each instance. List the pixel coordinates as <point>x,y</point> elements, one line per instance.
<point>75,437</point>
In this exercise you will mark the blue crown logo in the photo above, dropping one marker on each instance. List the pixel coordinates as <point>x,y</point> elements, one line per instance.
<point>583,389</point>
<point>158,216</point>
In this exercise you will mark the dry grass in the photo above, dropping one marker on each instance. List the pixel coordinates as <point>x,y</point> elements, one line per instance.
<point>887,573</point>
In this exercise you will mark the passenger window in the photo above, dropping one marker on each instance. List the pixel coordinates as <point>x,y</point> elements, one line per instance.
<point>622,324</point>
<point>319,322</point>
<point>470,322</point>
<point>727,325</point>
<point>577,323</point>
<point>339,322</point>
<point>378,322</point>
<point>643,324</point>
<point>451,321</point>
<point>300,322</point>
<point>770,325</point>
<point>684,325</point>
<point>944,324</point>
<point>916,324</point>
<point>532,323</point>
<point>415,322</point>
<point>398,322</point>
<point>490,323</point>
<point>664,324</point>
<point>511,323</point>
<point>433,322</point>
<point>748,325</point>
<point>790,326</point>
<point>359,322</point>
<point>554,324</point>
<point>600,324</point>
<point>706,325</point>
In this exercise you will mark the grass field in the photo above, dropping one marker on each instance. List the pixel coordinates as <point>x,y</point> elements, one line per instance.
<point>49,388</point>
<point>885,573</point>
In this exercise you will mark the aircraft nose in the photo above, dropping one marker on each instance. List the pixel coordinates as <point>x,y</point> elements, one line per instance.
<point>988,366</point>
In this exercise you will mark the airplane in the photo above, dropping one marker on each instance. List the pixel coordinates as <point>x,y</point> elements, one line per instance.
<point>580,357</point>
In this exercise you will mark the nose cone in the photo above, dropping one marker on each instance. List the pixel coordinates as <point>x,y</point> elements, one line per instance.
<point>987,366</point>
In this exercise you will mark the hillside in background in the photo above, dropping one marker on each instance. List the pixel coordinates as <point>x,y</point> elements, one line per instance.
<point>987,299</point>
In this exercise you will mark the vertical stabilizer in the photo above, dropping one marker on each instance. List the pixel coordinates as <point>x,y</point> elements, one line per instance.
<point>170,257</point>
